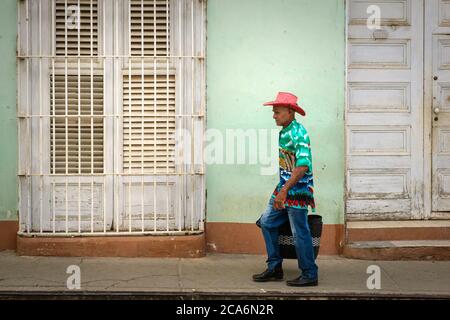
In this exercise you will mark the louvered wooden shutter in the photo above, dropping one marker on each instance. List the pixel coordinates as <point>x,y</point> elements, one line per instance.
<point>158,155</point>
<point>153,16</point>
<point>81,144</point>
<point>88,32</point>
<point>83,136</point>
<point>158,123</point>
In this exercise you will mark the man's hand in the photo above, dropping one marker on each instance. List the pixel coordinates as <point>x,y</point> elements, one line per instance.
<point>279,200</point>
<point>297,174</point>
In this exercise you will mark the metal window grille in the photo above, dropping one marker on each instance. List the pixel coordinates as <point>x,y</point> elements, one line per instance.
<point>111,108</point>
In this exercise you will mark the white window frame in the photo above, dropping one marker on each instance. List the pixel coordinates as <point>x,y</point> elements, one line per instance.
<point>35,207</point>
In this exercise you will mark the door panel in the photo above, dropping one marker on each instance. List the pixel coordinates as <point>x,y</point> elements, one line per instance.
<point>384,123</point>
<point>441,124</point>
<point>437,108</point>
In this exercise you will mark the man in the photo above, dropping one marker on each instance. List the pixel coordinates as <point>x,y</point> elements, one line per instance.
<point>291,197</point>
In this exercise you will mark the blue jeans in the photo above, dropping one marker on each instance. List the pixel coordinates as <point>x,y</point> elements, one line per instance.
<point>271,220</point>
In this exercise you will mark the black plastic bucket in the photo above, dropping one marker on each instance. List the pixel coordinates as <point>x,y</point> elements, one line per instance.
<point>286,240</point>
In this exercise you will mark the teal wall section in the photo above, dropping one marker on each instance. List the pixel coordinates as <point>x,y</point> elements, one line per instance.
<point>256,48</point>
<point>8,122</point>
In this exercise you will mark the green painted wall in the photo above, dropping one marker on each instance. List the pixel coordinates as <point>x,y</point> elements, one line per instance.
<point>256,48</point>
<point>8,122</point>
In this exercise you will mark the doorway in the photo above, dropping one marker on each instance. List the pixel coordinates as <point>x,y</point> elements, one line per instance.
<point>398,110</point>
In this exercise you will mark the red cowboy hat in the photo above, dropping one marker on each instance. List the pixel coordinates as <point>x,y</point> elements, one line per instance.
<point>286,99</point>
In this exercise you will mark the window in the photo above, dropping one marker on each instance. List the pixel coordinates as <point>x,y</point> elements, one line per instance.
<point>111,116</point>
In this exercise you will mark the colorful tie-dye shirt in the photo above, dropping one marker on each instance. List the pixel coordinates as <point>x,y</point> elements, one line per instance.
<point>295,151</point>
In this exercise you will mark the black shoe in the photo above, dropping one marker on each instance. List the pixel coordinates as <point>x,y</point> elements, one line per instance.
<point>267,275</point>
<point>302,282</point>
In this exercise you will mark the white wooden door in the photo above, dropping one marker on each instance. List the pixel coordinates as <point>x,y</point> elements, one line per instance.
<point>69,192</point>
<point>159,188</point>
<point>437,44</point>
<point>384,111</point>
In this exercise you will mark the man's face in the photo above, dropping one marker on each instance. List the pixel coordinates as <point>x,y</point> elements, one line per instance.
<point>282,115</point>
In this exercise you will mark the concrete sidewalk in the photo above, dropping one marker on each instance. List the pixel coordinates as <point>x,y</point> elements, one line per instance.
<point>216,275</point>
